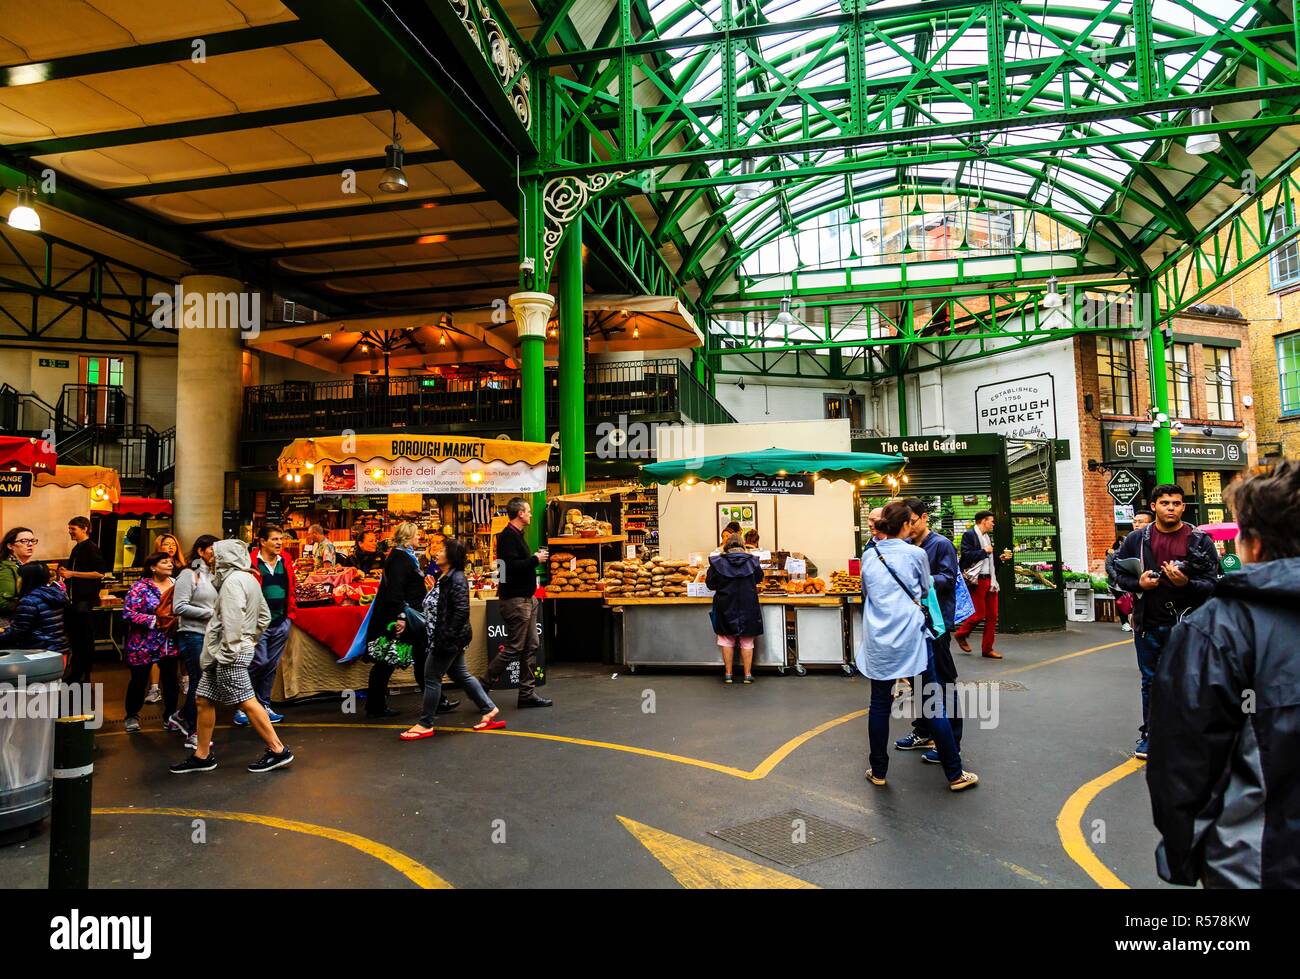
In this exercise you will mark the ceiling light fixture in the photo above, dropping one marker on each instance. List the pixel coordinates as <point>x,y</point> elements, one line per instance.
<point>24,217</point>
<point>636,333</point>
<point>785,317</point>
<point>393,180</point>
<point>1201,144</point>
<point>746,191</point>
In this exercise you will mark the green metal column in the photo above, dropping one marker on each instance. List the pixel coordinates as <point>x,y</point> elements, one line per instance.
<point>902,404</point>
<point>1147,314</point>
<point>532,381</point>
<point>573,417</point>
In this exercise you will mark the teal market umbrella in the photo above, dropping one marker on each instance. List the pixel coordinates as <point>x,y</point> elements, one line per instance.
<point>772,462</point>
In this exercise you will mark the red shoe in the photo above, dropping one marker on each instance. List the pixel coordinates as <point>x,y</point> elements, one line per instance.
<point>416,735</point>
<point>489,725</point>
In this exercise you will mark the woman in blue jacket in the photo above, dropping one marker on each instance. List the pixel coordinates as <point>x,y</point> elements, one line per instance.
<point>38,619</point>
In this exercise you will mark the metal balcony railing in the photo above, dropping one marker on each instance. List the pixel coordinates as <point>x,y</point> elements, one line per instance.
<point>643,387</point>
<point>92,406</point>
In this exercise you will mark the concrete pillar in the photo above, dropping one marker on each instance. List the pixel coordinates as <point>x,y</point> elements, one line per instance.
<point>209,397</point>
<point>930,398</point>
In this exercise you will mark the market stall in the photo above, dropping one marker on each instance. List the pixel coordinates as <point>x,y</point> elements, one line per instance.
<point>418,474</point>
<point>659,604</point>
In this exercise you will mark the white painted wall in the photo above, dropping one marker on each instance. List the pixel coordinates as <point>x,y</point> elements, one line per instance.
<point>1057,359</point>
<point>820,526</point>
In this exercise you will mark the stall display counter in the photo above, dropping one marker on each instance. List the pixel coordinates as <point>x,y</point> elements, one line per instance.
<point>677,632</point>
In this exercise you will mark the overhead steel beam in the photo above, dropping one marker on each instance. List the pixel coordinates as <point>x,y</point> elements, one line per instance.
<point>245,178</point>
<point>208,126</point>
<point>479,261</point>
<point>388,241</point>
<point>404,203</point>
<point>156,53</point>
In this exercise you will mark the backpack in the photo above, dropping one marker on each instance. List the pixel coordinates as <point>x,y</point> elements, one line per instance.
<point>165,617</point>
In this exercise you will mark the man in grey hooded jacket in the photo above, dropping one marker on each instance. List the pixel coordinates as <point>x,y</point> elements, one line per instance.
<point>239,617</point>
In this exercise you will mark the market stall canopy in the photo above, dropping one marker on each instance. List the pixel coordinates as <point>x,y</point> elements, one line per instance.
<point>142,506</point>
<point>103,483</point>
<point>771,462</point>
<point>27,455</point>
<point>385,343</point>
<point>356,464</point>
<point>633,323</point>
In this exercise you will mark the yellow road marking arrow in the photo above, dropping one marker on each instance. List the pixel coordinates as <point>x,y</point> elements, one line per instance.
<point>696,866</point>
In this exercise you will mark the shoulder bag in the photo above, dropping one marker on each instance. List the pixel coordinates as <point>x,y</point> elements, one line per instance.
<point>930,630</point>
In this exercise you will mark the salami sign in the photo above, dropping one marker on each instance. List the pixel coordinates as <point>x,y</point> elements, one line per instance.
<point>1024,408</point>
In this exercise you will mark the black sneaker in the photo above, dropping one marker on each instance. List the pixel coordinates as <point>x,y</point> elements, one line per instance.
<point>192,764</point>
<point>447,706</point>
<point>271,761</point>
<point>534,701</point>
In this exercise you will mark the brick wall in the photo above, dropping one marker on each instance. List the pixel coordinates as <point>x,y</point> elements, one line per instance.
<point>1098,504</point>
<point>1271,313</point>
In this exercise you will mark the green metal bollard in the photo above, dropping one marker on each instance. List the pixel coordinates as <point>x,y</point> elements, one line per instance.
<point>74,764</point>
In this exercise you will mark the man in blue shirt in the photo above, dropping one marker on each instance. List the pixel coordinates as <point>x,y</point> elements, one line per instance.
<point>943,573</point>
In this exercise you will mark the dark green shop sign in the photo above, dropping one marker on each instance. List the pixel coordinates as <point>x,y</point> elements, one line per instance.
<point>932,445</point>
<point>771,485</point>
<point>50,362</point>
<point>1194,450</point>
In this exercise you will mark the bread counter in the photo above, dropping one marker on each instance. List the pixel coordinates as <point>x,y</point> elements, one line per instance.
<point>798,630</point>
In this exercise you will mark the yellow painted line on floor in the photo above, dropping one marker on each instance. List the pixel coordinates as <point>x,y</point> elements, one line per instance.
<point>560,738</point>
<point>417,872</point>
<point>699,867</point>
<point>1062,659</point>
<point>766,766</point>
<point>1069,824</point>
<point>759,772</point>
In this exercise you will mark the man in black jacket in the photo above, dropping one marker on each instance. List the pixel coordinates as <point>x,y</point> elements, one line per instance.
<point>1179,568</point>
<point>516,597</point>
<point>977,564</point>
<point>1224,773</point>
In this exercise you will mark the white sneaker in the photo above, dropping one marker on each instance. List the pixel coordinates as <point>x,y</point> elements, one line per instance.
<point>185,686</point>
<point>154,695</point>
<point>1126,627</point>
<point>132,725</point>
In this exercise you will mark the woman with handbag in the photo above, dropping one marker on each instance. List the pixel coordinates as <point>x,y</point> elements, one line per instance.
<point>448,632</point>
<point>151,638</point>
<point>897,642</point>
<point>402,587</point>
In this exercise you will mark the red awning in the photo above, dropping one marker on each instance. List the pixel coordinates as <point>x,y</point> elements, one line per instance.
<point>143,506</point>
<point>27,455</point>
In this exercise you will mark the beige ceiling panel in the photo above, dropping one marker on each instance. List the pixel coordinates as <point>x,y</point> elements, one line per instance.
<point>161,20</point>
<point>250,149</point>
<point>67,108</point>
<point>332,139</point>
<point>10,53</point>
<point>320,59</point>
<point>413,138</point>
<point>187,97</point>
<point>214,205</point>
<point>95,238</point>
<point>53,28</point>
<point>155,161</point>
<point>262,79</point>
<point>262,11</point>
<point>16,127</point>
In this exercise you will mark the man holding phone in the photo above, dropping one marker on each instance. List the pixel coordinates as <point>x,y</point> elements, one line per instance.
<point>1171,568</point>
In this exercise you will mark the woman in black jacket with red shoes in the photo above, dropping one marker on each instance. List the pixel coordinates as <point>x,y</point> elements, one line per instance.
<point>446,617</point>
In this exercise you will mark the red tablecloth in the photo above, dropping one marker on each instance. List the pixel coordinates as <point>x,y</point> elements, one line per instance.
<point>334,625</point>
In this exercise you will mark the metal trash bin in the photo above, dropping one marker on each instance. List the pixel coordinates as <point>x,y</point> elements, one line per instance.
<point>27,677</point>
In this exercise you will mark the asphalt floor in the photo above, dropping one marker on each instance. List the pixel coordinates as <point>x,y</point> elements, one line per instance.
<point>625,780</point>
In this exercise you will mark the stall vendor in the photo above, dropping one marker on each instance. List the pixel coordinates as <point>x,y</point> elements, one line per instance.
<point>367,556</point>
<point>322,548</point>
